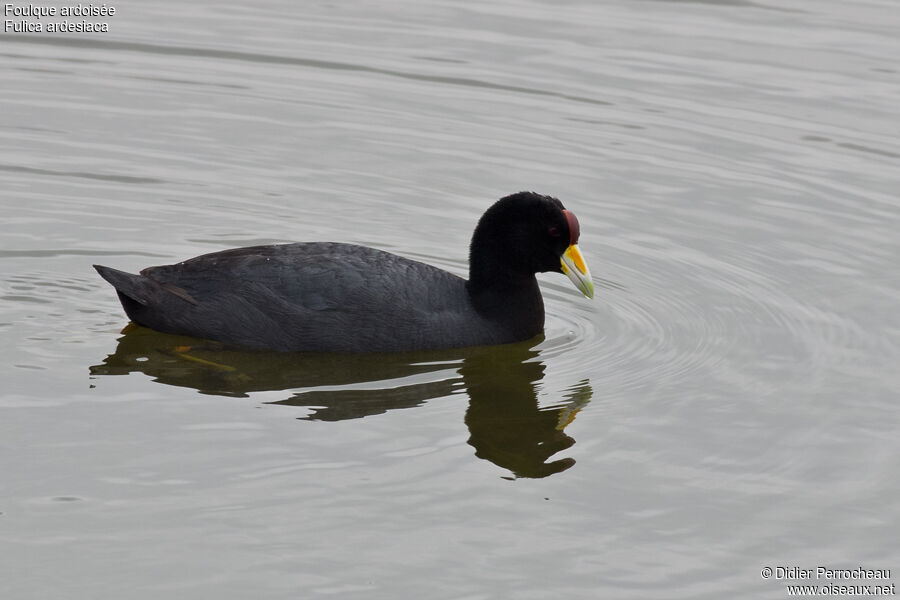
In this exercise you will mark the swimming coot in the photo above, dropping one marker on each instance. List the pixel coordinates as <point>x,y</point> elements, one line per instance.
<point>334,297</point>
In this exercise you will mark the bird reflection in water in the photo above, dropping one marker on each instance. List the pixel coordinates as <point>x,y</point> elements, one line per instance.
<point>506,423</point>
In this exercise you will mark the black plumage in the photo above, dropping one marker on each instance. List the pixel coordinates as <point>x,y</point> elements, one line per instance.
<point>334,297</point>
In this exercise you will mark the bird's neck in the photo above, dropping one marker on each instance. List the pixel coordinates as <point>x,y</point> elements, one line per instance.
<point>508,299</point>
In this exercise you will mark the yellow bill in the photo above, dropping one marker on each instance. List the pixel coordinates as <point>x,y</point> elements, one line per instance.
<point>574,266</point>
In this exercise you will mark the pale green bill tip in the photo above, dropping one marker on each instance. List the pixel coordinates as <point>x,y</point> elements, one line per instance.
<point>577,270</point>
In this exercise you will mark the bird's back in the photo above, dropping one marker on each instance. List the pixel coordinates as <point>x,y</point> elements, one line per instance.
<point>307,296</point>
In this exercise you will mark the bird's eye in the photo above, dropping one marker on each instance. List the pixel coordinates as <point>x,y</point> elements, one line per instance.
<point>553,231</point>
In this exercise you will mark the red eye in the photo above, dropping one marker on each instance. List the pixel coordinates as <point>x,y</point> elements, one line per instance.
<point>553,231</point>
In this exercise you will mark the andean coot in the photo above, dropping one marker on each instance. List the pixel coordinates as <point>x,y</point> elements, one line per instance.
<point>334,297</point>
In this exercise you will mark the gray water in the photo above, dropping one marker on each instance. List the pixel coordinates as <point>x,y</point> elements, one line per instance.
<point>726,403</point>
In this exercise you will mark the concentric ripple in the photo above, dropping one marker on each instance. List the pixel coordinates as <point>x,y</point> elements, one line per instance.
<point>682,316</point>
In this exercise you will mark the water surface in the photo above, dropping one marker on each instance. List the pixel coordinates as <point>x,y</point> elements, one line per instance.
<point>727,402</point>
